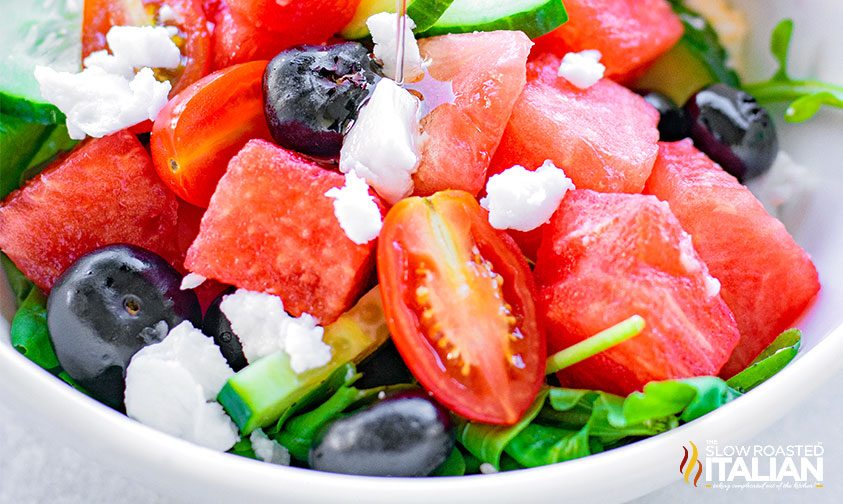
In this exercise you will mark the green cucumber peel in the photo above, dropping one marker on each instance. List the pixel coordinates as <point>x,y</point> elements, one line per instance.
<point>425,13</point>
<point>702,40</point>
<point>615,335</point>
<point>806,96</point>
<point>533,17</point>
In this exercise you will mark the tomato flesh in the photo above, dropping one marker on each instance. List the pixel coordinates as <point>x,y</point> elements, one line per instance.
<point>193,38</point>
<point>459,299</point>
<point>204,126</point>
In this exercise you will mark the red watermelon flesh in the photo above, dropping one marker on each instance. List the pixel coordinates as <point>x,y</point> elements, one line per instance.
<point>630,34</point>
<point>104,192</point>
<point>768,280</point>
<point>487,72</point>
<point>605,257</point>
<point>270,228</point>
<point>604,137</point>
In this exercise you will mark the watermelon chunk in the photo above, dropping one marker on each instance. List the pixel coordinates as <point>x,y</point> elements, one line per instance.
<point>487,72</point>
<point>630,34</point>
<point>270,228</point>
<point>768,280</point>
<point>606,257</point>
<point>104,192</point>
<point>604,137</point>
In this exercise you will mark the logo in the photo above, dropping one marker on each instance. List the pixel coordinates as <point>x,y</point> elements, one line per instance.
<point>691,462</point>
<point>797,466</point>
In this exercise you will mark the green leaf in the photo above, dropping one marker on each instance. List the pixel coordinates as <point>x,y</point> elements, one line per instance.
<point>243,448</point>
<point>780,46</point>
<point>454,465</point>
<point>21,286</point>
<point>806,96</point>
<point>772,360</point>
<point>29,333</point>
<point>689,399</point>
<point>537,445</point>
<point>487,442</point>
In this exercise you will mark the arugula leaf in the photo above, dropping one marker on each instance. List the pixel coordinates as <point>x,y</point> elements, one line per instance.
<point>772,360</point>
<point>806,96</point>
<point>21,286</point>
<point>688,399</point>
<point>539,445</point>
<point>487,442</point>
<point>243,448</point>
<point>454,465</point>
<point>29,333</point>
<point>702,40</point>
<point>27,148</point>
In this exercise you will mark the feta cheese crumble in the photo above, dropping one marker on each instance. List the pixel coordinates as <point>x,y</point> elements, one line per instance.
<point>263,328</point>
<point>582,69</point>
<point>487,468</point>
<point>712,286</point>
<point>268,450</point>
<point>107,95</point>
<point>521,199</point>
<point>192,281</point>
<point>356,209</point>
<point>382,146</point>
<point>384,27</point>
<point>171,386</point>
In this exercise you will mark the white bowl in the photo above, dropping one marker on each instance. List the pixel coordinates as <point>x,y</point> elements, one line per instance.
<point>194,474</point>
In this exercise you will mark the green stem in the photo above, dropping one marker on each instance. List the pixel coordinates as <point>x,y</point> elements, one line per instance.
<point>788,90</point>
<point>601,341</point>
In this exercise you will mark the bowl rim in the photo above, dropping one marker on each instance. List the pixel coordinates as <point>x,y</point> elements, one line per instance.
<point>92,425</point>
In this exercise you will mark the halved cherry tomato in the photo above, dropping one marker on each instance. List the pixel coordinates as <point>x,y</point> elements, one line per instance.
<point>204,126</point>
<point>193,37</point>
<point>459,301</point>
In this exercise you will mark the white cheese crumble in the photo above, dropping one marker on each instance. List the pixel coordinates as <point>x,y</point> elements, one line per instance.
<point>107,95</point>
<point>382,146</point>
<point>268,450</point>
<point>384,27</point>
<point>356,209</point>
<point>171,386</point>
<point>521,199</point>
<point>687,254</point>
<point>263,328</point>
<point>582,69</point>
<point>192,281</point>
<point>487,468</point>
<point>167,15</point>
<point>712,286</point>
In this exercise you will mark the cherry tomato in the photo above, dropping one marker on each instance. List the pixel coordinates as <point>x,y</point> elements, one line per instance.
<point>193,37</point>
<point>459,301</point>
<point>204,126</point>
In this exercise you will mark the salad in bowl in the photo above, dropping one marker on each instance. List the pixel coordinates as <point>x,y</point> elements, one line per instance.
<point>437,238</point>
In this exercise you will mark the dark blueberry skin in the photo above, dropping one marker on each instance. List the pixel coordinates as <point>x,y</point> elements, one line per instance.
<point>108,305</point>
<point>217,326</point>
<point>403,435</point>
<point>734,130</point>
<point>312,95</point>
<point>384,367</point>
<point>673,121</point>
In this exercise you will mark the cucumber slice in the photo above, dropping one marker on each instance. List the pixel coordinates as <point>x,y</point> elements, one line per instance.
<point>261,392</point>
<point>39,32</point>
<point>533,17</point>
<point>425,13</point>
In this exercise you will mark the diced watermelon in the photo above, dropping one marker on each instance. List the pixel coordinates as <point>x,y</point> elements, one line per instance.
<point>249,30</point>
<point>605,257</point>
<point>630,34</point>
<point>604,137</point>
<point>270,228</point>
<point>768,280</point>
<point>104,192</point>
<point>487,72</point>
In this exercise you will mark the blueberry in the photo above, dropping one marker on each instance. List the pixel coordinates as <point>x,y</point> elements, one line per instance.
<point>108,305</point>
<point>733,129</point>
<point>403,435</point>
<point>217,326</point>
<point>312,95</point>
<point>673,121</point>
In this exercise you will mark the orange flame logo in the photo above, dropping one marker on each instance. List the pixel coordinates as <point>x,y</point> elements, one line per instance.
<point>690,462</point>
